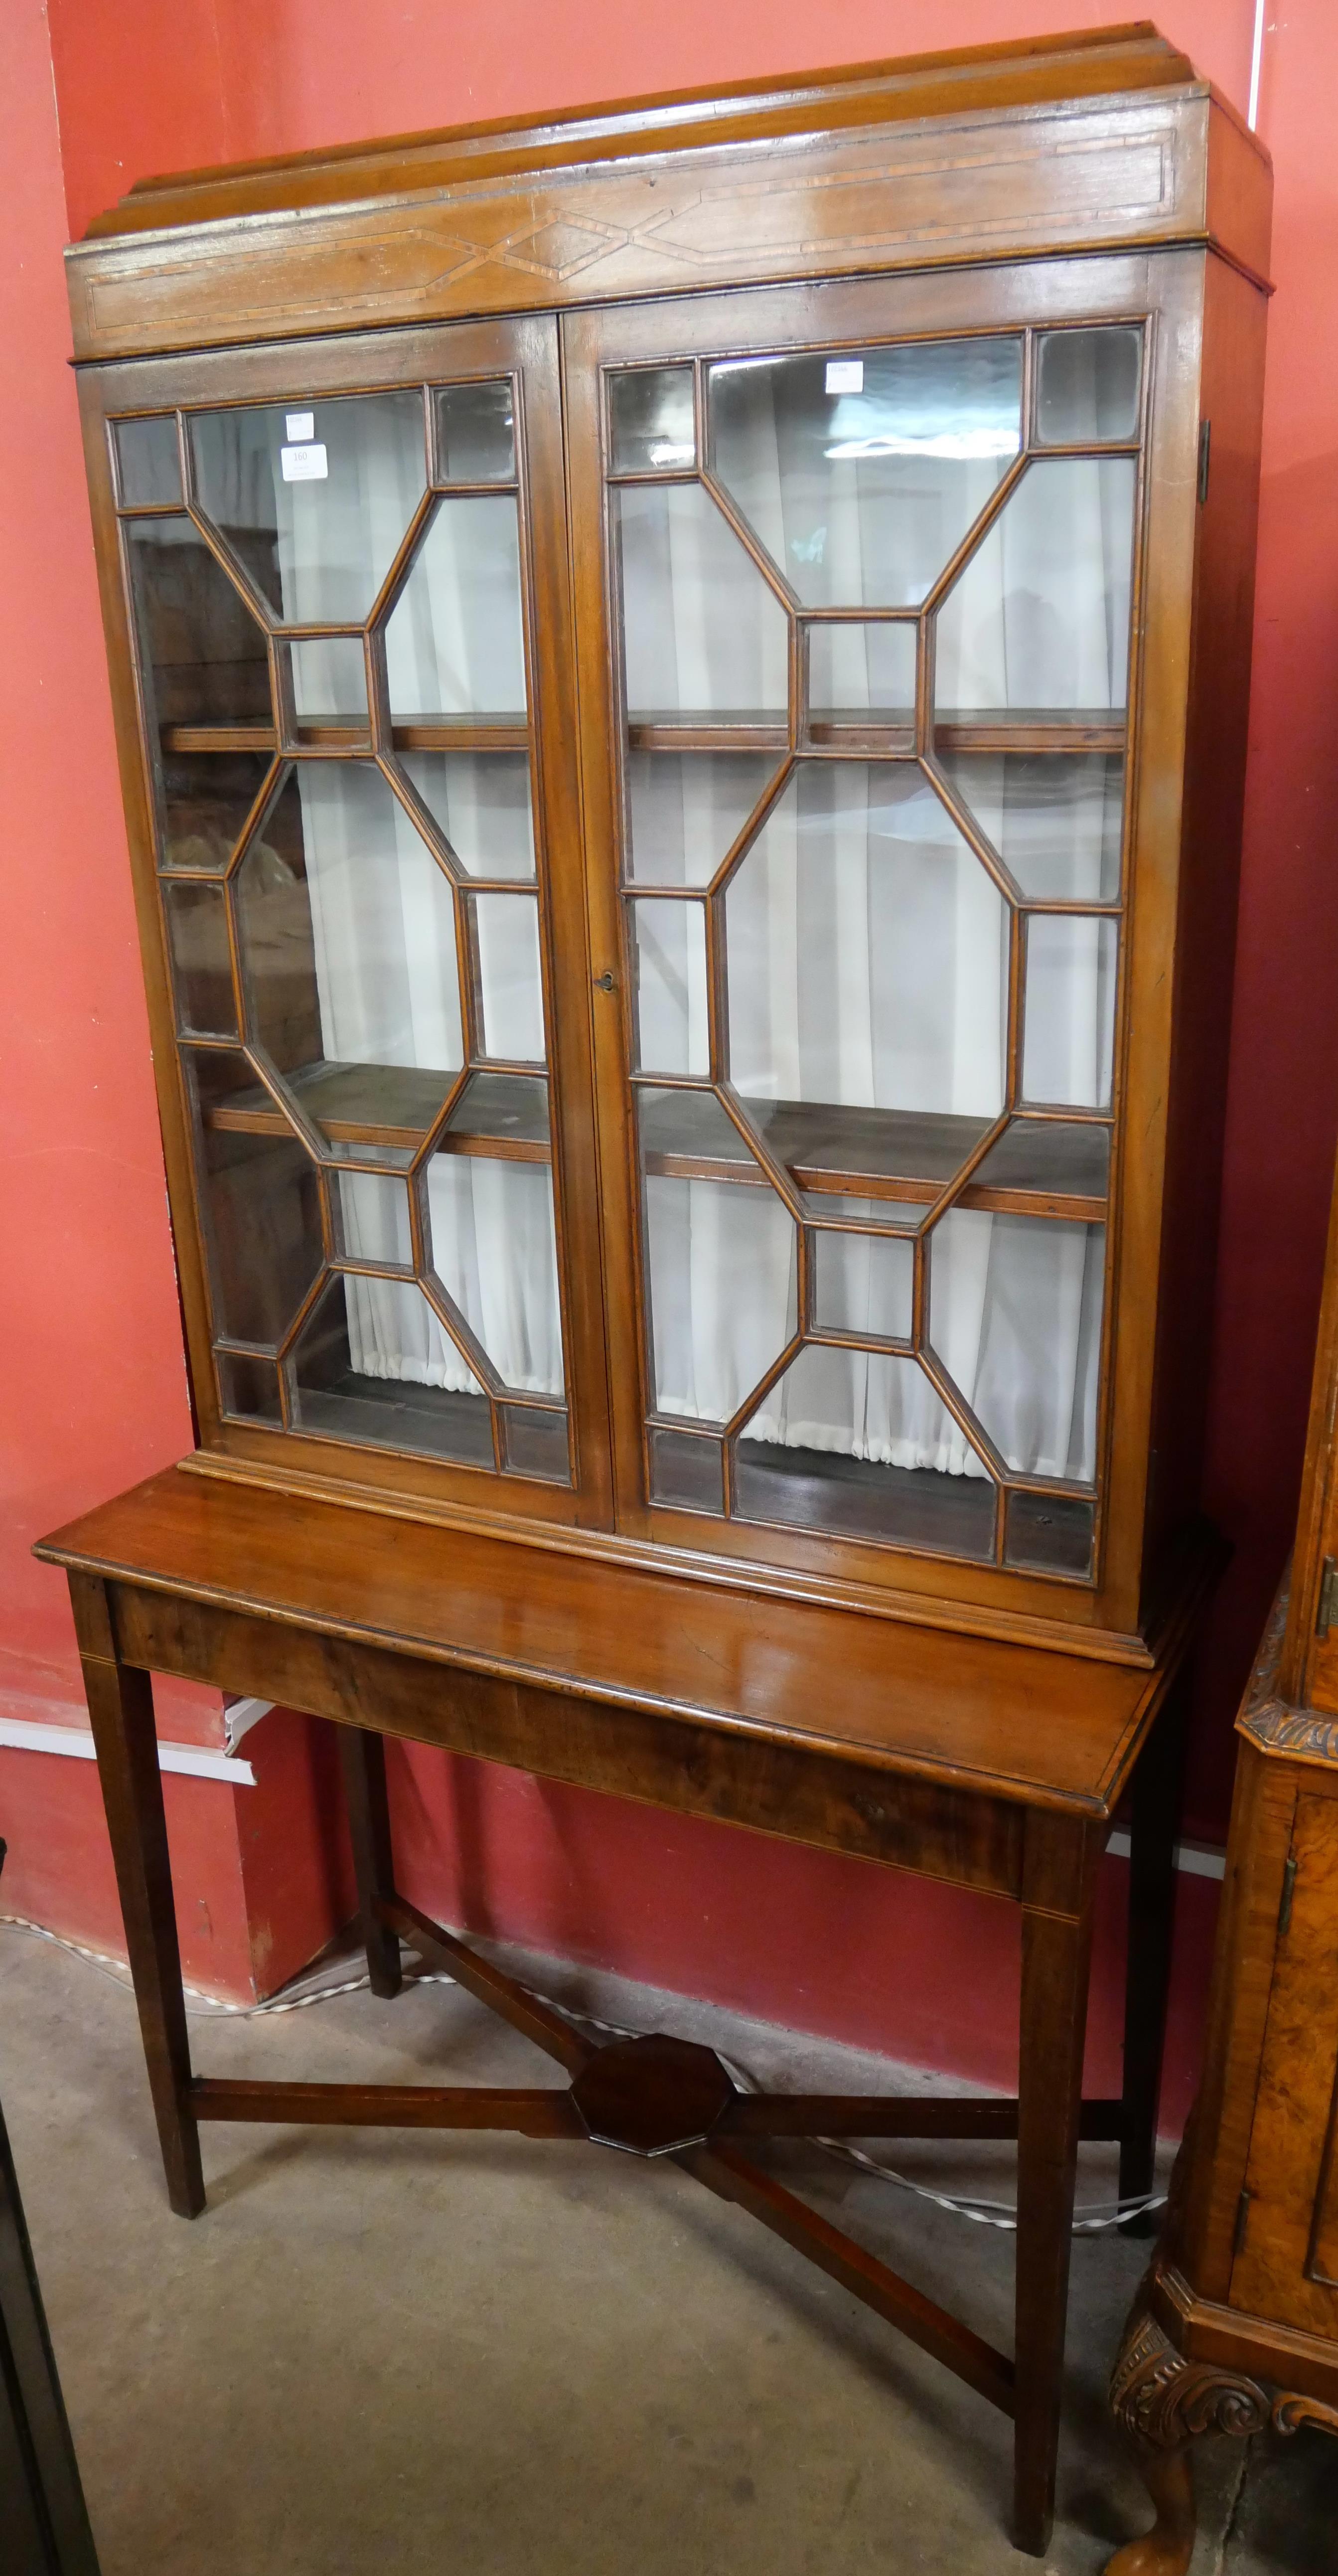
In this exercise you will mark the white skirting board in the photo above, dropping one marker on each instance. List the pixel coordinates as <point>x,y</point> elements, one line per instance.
<point>199,1761</point>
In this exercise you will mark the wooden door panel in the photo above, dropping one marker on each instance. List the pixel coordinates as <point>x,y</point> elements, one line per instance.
<point>1287,2268</point>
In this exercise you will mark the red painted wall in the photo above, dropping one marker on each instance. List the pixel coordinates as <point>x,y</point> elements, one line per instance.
<point>90,1301</point>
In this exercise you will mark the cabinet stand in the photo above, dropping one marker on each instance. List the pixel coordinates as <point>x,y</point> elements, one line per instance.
<point>168,1579</point>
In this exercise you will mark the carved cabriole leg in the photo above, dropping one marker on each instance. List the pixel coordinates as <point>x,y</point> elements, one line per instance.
<point>1161,2401</point>
<point>363,1761</point>
<point>120,1707</point>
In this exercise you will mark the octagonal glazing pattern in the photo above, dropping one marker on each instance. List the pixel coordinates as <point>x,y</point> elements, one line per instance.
<point>885,997</point>
<point>356,941</point>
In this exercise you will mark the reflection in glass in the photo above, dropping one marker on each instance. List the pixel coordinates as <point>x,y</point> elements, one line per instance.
<point>197,935</point>
<point>867,949</point>
<point>1055,818</point>
<point>476,433</point>
<point>207,796</point>
<point>494,1250</point>
<point>686,1470</point>
<point>702,633</point>
<point>1015,1317</point>
<point>860,1443</point>
<point>347,932</point>
<point>1087,384</point>
<point>330,680</point>
<point>260,1200</point>
<point>721,1278</point>
<point>248,1387</point>
<point>205,652</point>
<point>510,992</point>
<point>1068,1040</point>
<point>856,673</point>
<point>313,503</point>
<point>480,802</point>
<point>863,1283</point>
<point>687,808</point>
<point>536,1443</point>
<point>148,466</point>
<point>1039,618</point>
<point>651,419</point>
<point>673,1034</point>
<point>373,1364</point>
<point>861,476</point>
<point>1051,1533</point>
<point>455,637</point>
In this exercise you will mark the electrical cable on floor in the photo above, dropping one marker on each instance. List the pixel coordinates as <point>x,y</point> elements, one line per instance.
<point>1096,2219</point>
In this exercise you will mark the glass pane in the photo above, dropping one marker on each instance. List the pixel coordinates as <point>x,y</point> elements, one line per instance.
<point>1087,384</point>
<point>260,1202</point>
<point>651,419</point>
<point>1051,1156</point>
<point>373,1214</point>
<point>722,1289</point>
<point>861,475</point>
<point>687,1134</point>
<point>197,934</point>
<point>455,637</point>
<point>205,652</point>
<point>1069,1031</point>
<point>148,467</point>
<point>1055,818</point>
<point>687,809</point>
<point>536,1443</point>
<point>1039,618</point>
<point>686,1470</point>
<point>207,796</point>
<point>476,433</point>
<point>702,634</point>
<point>480,802</point>
<point>313,503</point>
<point>373,1364</point>
<point>346,926</point>
<point>1052,1532</point>
<point>859,672</point>
<point>248,1387</point>
<point>494,1251</point>
<point>510,990</point>
<point>868,956</point>
<point>330,681</point>
<point>1015,1317</point>
<point>863,1283</point>
<point>861,1444</point>
<point>669,941</point>
<point>509,1108</point>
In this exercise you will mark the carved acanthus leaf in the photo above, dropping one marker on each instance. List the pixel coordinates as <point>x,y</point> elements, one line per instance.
<point>1162,2399</point>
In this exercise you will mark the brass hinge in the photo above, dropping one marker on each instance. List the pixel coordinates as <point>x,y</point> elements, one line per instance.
<point>1205,446</point>
<point>1288,1892</point>
<point>1242,2222</point>
<point>1328,1597</point>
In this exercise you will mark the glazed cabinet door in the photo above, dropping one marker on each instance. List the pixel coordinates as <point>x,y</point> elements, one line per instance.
<point>336,582</point>
<point>1286,2266</point>
<point>860,619</point>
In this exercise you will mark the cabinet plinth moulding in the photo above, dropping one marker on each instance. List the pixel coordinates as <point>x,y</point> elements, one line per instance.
<point>1236,2325</point>
<point>681,694</point>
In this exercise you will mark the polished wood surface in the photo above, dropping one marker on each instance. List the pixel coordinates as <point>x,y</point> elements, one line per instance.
<point>1236,2326</point>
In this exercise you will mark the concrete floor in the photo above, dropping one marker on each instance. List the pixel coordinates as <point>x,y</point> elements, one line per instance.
<point>402,2353</point>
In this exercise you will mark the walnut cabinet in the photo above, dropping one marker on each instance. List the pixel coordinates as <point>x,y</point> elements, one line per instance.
<point>681,682</point>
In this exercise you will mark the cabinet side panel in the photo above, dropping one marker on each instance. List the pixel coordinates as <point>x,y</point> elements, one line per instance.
<point>1231,399</point>
<point>1289,2241</point>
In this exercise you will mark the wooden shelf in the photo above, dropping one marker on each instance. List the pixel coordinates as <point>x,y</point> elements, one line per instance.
<point>1039,1168</point>
<point>337,733</point>
<point>501,1116</point>
<point>1032,729</point>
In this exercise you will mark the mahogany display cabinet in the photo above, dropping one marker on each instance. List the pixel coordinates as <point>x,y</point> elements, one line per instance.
<point>681,679</point>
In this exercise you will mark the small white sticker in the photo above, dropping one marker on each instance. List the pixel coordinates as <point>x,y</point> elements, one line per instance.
<point>300,425</point>
<point>304,464</point>
<point>845,375</point>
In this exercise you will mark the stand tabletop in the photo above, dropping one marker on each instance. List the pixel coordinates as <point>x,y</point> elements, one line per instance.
<point>1025,1723</point>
